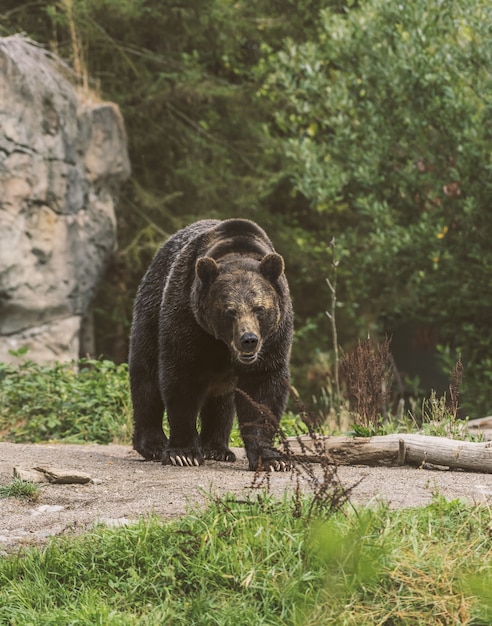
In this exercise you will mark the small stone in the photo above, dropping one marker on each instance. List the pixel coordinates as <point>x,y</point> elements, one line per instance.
<point>63,476</point>
<point>114,522</point>
<point>29,475</point>
<point>47,508</point>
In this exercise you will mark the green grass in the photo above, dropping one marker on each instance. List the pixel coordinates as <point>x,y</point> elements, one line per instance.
<point>258,562</point>
<point>20,489</point>
<point>261,563</point>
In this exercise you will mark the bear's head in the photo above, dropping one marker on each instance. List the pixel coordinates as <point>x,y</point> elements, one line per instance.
<point>238,300</point>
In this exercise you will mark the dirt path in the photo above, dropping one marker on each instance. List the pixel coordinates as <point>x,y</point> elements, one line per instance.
<point>126,487</point>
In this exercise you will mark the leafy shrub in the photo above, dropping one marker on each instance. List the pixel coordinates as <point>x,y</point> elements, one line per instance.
<point>87,400</point>
<point>385,116</point>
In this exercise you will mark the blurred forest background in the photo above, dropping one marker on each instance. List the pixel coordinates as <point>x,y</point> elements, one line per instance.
<point>367,121</point>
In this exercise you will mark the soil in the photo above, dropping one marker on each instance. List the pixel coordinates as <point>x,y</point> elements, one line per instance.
<point>125,487</point>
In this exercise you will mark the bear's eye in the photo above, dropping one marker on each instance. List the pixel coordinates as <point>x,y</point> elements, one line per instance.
<point>259,310</point>
<point>231,313</point>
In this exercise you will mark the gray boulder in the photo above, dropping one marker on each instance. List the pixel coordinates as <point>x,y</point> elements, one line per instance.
<point>63,158</point>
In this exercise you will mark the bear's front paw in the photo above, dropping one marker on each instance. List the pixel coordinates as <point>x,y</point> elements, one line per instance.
<point>182,457</point>
<point>150,445</point>
<point>268,460</point>
<point>219,453</point>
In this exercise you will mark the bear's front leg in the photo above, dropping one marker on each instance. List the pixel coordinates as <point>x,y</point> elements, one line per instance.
<point>151,444</point>
<point>184,447</point>
<point>216,418</point>
<point>260,406</point>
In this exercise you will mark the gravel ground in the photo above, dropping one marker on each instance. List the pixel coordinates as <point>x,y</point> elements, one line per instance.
<point>125,487</point>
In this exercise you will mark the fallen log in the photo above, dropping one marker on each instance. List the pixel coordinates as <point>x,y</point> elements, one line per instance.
<point>481,426</point>
<point>396,449</point>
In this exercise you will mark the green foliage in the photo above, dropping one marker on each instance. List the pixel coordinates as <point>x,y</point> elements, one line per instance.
<point>385,116</point>
<point>437,419</point>
<point>86,401</point>
<point>183,76</point>
<point>255,562</point>
<point>368,121</point>
<point>77,402</point>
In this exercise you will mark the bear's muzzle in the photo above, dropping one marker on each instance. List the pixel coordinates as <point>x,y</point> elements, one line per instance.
<point>249,347</point>
<point>249,342</point>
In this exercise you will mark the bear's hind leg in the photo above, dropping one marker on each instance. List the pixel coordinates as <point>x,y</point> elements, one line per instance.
<point>217,416</point>
<point>149,439</point>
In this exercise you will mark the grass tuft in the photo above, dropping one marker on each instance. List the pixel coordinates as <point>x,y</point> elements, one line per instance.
<point>20,489</point>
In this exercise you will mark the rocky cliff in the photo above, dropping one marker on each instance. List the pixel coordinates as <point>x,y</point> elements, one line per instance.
<point>63,158</point>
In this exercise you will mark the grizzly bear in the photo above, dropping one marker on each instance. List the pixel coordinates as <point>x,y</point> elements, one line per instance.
<point>211,337</point>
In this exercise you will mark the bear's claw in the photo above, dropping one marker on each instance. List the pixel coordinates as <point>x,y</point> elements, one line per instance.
<point>219,454</point>
<point>268,460</point>
<point>279,466</point>
<point>182,458</point>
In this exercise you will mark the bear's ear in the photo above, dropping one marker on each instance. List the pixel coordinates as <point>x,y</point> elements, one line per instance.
<point>207,269</point>
<point>272,266</point>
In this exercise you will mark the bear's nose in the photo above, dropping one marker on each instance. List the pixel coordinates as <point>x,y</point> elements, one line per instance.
<point>248,342</point>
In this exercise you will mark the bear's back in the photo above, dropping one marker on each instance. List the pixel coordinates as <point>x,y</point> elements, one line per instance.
<point>238,236</point>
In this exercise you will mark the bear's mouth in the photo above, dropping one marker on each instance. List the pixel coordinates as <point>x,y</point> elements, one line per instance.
<point>247,357</point>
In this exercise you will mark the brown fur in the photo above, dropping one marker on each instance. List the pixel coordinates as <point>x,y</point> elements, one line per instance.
<point>212,313</point>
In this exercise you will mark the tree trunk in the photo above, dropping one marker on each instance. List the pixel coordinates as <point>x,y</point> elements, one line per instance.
<point>396,449</point>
